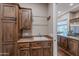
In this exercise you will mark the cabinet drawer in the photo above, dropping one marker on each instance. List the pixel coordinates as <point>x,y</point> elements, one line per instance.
<point>36,44</point>
<point>24,52</point>
<point>47,43</point>
<point>23,45</point>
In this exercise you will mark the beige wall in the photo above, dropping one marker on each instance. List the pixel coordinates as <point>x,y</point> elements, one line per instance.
<point>40,24</point>
<point>50,22</point>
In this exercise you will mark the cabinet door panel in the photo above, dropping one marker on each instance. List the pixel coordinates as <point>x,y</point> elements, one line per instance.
<point>0,49</point>
<point>8,49</point>
<point>25,18</point>
<point>24,53</point>
<point>9,31</point>
<point>37,52</point>
<point>8,36</point>
<point>47,52</point>
<point>63,42</point>
<point>72,46</point>
<point>9,10</point>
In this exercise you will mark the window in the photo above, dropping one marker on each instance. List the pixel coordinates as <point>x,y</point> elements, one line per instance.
<point>62,27</point>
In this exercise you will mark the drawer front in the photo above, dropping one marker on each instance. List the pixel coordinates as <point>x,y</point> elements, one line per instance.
<point>36,44</point>
<point>47,43</point>
<point>23,45</point>
<point>41,44</point>
<point>24,53</point>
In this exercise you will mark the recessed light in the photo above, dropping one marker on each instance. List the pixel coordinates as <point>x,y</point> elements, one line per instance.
<point>71,4</point>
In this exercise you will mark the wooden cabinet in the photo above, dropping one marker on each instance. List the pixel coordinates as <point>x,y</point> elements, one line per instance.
<point>8,48</point>
<point>25,18</point>
<point>9,28</point>
<point>8,31</point>
<point>35,48</point>
<point>63,42</point>
<point>23,49</point>
<point>9,10</point>
<point>47,51</point>
<point>36,52</point>
<point>24,52</point>
<point>69,45</point>
<point>72,46</point>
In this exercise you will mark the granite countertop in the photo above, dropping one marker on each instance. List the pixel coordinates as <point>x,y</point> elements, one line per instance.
<point>32,39</point>
<point>72,37</point>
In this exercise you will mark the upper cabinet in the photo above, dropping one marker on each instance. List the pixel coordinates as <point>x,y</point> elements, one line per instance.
<point>74,18</point>
<point>25,18</point>
<point>9,10</point>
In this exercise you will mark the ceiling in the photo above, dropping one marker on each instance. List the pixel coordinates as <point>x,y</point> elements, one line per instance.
<point>62,7</point>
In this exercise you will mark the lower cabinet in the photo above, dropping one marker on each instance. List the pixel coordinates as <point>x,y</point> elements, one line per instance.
<point>8,49</point>
<point>70,45</point>
<point>37,52</point>
<point>62,41</point>
<point>47,52</point>
<point>24,52</point>
<point>73,46</point>
<point>35,48</point>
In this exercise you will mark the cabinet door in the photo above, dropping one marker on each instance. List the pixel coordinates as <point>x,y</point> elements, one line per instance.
<point>8,49</point>
<point>47,52</point>
<point>58,40</point>
<point>8,10</point>
<point>8,31</point>
<point>0,49</point>
<point>37,52</point>
<point>25,16</point>
<point>72,46</point>
<point>63,42</point>
<point>24,52</point>
<point>8,36</point>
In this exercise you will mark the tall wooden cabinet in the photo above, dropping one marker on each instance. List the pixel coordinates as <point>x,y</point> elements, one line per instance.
<point>9,28</point>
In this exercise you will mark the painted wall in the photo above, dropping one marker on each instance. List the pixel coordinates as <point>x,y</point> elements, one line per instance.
<point>50,22</point>
<point>39,16</point>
